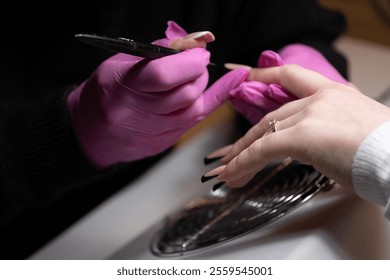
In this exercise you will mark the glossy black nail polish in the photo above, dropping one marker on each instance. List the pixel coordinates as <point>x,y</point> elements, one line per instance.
<point>211,160</point>
<point>217,186</point>
<point>207,178</point>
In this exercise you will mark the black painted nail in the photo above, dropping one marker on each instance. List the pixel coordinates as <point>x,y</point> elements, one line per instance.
<point>211,160</point>
<point>207,178</point>
<point>217,186</point>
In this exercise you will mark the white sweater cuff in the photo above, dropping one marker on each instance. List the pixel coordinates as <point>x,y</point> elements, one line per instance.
<point>371,168</point>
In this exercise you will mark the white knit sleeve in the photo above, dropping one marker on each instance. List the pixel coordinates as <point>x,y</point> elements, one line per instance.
<point>371,168</point>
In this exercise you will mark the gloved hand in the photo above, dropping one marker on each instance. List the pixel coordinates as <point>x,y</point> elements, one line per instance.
<point>254,99</point>
<point>131,108</point>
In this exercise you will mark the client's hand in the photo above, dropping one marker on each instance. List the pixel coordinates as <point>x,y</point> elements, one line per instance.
<point>254,99</point>
<point>131,108</point>
<point>324,128</point>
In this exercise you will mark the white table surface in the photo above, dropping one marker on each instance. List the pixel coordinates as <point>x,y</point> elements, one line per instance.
<point>333,225</point>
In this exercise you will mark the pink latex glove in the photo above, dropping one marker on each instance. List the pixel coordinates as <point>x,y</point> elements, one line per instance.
<point>131,108</point>
<point>254,99</point>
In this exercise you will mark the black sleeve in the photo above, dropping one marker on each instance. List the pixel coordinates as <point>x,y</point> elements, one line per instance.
<point>45,182</point>
<point>250,27</point>
<point>40,158</point>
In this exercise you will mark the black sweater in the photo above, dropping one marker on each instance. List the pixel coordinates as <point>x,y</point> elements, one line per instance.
<point>45,182</point>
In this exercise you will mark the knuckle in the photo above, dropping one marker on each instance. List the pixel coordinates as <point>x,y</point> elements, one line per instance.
<point>189,94</point>
<point>255,148</point>
<point>155,71</point>
<point>238,163</point>
<point>323,93</point>
<point>308,112</point>
<point>303,127</point>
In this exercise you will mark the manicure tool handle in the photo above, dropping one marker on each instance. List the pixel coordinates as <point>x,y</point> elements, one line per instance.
<point>128,46</point>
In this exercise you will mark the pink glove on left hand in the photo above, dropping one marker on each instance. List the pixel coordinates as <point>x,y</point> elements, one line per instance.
<point>254,99</point>
<point>131,108</point>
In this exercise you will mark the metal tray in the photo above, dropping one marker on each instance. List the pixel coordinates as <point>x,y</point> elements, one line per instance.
<point>226,214</point>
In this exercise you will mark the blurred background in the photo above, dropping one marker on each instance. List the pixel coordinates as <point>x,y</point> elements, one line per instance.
<point>367,19</point>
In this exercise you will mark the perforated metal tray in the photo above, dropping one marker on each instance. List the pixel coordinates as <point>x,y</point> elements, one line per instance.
<point>223,215</point>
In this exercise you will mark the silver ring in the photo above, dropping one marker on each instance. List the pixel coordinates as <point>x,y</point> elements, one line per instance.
<point>273,128</point>
<point>273,125</point>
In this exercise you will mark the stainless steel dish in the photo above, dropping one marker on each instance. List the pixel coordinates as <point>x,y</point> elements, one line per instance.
<point>226,214</point>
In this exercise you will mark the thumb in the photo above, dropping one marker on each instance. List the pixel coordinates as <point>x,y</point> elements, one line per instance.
<point>173,31</point>
<point>219,92</point>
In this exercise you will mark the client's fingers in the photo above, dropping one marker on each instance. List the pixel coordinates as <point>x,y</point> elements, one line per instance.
<point>275,146</point>
<point>217,154</point>
<point>296,79</point>
<point>258,130</point>
<point>242,181</point>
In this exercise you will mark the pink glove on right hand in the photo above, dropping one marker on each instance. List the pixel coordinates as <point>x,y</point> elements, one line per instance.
<point>254,99</point>
<point>131,108</point>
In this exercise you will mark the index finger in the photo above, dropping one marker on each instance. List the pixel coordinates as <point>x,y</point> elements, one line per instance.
<point>168,72</point>
<point>296,79</point>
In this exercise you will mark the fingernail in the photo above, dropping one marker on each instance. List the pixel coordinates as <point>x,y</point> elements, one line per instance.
<point>193,40</point>
<point>206,36</point>
<point>234,66</point>
<point>207,178</point>
<point>217,186</point>
<point>215,172</point>
<point>208,160</point>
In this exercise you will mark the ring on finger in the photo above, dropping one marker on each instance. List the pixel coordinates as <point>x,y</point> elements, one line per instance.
<point>272,128</point>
